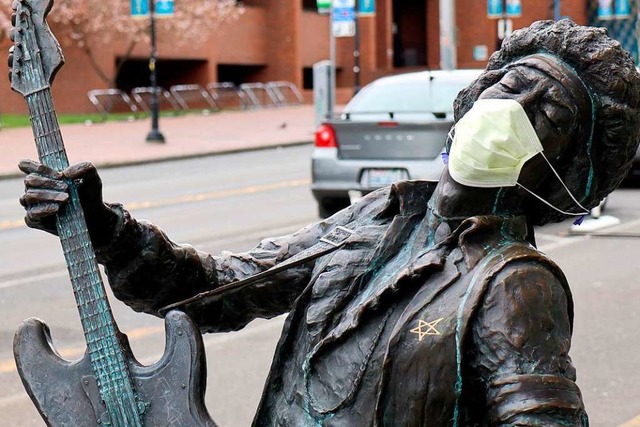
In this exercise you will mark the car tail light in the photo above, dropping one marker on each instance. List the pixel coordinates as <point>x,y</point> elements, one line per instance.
<point>326,137</point>
<point>388,124</point>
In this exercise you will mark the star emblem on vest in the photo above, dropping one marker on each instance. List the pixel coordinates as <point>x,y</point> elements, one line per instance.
<point>426,328</point>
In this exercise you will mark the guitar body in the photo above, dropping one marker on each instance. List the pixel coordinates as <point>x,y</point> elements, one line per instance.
<point>170,392</point>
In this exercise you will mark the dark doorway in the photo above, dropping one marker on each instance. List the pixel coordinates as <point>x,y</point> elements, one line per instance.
<point>238,74</point>
<point>409,33</point>
<point>169,72</point>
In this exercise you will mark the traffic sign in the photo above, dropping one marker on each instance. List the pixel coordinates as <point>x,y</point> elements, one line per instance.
<point>344,18</point>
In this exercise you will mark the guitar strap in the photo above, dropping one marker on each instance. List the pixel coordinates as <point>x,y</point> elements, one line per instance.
<point>330,242</point>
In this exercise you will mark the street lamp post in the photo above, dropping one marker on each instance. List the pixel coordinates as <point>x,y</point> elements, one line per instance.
<point>356,50</point>
<point>154,135</point>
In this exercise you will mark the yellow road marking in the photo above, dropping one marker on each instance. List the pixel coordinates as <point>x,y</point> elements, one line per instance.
<point>71,353</point>
<point>191,198</point>
<point>9,225</point>
<point>632,423</point>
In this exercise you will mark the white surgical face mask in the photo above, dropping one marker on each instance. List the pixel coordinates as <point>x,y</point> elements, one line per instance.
<point>492,142</point>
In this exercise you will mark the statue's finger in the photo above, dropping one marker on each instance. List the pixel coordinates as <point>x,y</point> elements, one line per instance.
<point>84,170</point>
<point>38,181</point>
<point>33,197</point>
<point>31,166</point>
<point>36,213</point>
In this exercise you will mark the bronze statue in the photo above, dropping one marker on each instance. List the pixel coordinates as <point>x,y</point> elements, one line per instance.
<point>435,309</point>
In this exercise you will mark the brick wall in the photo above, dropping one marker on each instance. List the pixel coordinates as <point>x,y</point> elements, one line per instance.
<point>278,39</point>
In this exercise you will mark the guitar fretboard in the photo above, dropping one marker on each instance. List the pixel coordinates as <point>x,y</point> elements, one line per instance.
<point>101,334</point>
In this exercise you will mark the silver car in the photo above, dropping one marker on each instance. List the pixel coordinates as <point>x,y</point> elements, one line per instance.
<point>394,128</point>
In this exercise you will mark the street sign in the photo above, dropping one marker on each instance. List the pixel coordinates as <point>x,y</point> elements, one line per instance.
<point>367,7</point>
<point>139,8</point>
<point>164,8</point>
<point>324,6</point>
<point>513,8</point>
<point>344,18</point>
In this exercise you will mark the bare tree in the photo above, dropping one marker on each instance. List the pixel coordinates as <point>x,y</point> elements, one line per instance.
<point>90,24</point>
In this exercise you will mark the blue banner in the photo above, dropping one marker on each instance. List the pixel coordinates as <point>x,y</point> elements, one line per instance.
<point>622,9</point>
<point>367,7</point>
<point>139,8</point>
<point>605,9</point>
<point>164,8</point>
<point>514,8</point>
<point>494,8</point>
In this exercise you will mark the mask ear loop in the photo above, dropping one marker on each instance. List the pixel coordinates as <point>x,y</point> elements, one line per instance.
<point>586,211</point>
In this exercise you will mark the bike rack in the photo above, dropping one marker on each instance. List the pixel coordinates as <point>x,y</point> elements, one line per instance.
<point>226,95</point>
<point>193,97</point>
<point>286,92</point>
<point>142,96</point>
<point>108,101</point>
<point>259,95</point>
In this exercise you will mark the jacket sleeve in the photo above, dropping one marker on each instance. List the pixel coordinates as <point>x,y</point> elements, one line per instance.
<point>521,342</point>
<point>148,271</point>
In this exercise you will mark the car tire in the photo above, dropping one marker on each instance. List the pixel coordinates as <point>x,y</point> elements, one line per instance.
<point>328,207</point>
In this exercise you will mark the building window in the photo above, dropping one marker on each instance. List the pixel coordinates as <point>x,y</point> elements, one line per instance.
<point>309,5</point>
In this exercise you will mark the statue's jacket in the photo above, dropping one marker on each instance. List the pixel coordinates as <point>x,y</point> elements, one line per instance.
<point>415,321</point>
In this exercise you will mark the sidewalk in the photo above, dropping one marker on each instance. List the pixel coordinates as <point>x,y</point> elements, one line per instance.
<point>121,143</point>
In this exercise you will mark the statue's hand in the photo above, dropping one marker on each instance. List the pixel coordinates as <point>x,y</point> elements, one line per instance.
<point>47,191</point>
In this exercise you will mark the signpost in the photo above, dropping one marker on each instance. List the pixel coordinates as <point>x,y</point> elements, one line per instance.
<point>154,134</point>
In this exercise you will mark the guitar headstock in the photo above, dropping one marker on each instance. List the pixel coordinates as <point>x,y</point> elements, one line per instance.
<point>37,56</point>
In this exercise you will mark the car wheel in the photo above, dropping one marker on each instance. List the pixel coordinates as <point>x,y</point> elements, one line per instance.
<point>328,207</point>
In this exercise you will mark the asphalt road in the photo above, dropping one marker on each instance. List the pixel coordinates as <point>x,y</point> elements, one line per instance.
<point>231,202</point>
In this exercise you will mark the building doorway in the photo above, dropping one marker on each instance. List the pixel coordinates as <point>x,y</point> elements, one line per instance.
<point>409,33</point>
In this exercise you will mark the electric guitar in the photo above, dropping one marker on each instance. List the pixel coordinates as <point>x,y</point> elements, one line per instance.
<point>107,386</point>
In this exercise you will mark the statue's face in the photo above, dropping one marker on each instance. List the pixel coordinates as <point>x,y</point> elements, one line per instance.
<point>551,107</point>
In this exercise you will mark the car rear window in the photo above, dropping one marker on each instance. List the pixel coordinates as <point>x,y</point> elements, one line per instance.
<point>435,96</point>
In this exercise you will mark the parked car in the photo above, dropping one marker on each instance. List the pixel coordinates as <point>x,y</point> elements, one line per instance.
<point>394,128</point>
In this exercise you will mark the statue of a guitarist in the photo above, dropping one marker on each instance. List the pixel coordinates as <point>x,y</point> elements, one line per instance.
<point>423,304</point>
<point>107,386</point>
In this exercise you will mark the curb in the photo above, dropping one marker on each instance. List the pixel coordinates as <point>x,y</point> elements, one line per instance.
<point>109,165</point>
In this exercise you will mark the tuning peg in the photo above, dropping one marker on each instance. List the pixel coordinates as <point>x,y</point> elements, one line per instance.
<point>13,19</point>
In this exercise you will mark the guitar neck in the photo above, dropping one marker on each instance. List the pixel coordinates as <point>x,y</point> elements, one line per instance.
<point>101,333</point>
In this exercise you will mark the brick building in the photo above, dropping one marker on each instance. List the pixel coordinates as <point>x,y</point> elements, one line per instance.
<point>282,39</point>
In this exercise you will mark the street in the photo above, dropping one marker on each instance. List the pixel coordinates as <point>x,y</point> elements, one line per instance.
<point>230,202</point>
